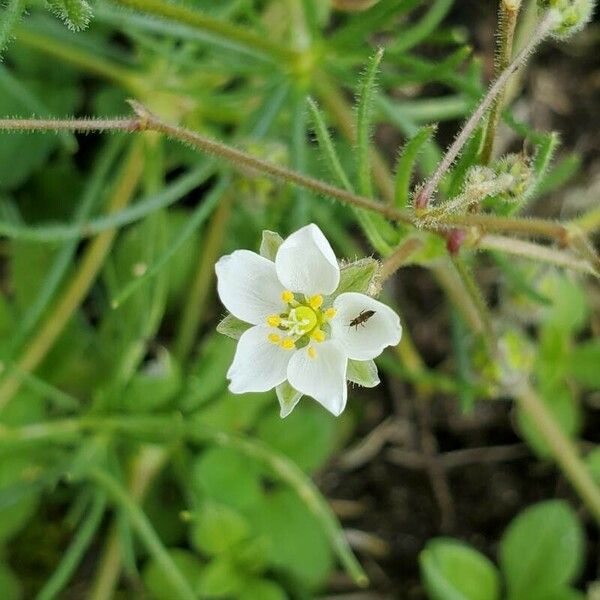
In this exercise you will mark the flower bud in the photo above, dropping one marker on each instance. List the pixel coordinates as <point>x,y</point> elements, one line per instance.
<point>514,171</point>
<point>572,15</point>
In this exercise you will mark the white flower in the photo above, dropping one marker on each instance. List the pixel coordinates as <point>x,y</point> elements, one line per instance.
<point>303,334</point>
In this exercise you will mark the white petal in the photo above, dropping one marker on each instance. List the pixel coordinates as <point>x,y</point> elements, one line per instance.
<point>306,263</point>
<point>248,286</point>
<point>288,398</point>
<point>258,365</point>
<point>323,377</point>
<point>367,340</point>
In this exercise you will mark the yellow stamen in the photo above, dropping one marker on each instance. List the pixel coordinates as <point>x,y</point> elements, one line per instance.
<point>274,320</point>
<point>287,296</point>
<point>316,301</point>
<point>287,344</point>
<point>329,313</point>
<point>318,335</point>
<point>274,338</point>
<point>312,352</point>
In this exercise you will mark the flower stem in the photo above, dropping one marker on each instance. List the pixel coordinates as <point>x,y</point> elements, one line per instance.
<point>507,21</point>
<point>562,448</point>
<point>79,285</point>
<point>425,194</point>
<point>399,257</point>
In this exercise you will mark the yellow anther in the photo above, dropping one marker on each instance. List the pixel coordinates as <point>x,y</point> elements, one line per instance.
<point>312,352</point>
<point>274,338</point>
<point>274,320</point>
<point>318,335</point>
<point>329,313</point>
<point>287,344</point>
<point>316,301</point>
<point>287,296</point>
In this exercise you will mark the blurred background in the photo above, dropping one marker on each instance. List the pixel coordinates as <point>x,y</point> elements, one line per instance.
<point>108,310</point>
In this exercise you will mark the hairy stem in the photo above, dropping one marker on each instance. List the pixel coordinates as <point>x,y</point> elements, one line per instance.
<point>9,18</point>
<point>399,257</point>
<point>425,194</point>
<point>507,22</point>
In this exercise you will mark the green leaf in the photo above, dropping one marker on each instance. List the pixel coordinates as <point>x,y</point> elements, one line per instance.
<point>217,528</point>
<point>297,544</point>
<point>358,276</point>
<point>232,412</point>
<point>155,385</point>
<point>363,372</point>
<point>227,477</point>
<point>262,589</point>
<point>288,398</point>
<point>159,586</point>
<point>452,570</point>
<point>270,244</point>
<point>584,364</point>
<point>11,586</point>
<point>232,326</point>
<point>307,436</point>
<point>76,14</point>
<point>220,579</point>
<point>542,549</point>
<point>592,460</point>
<point>406,163</point>
<point>570,308</point>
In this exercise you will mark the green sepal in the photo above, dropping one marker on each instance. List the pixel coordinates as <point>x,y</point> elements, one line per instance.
<point>270,244</point>
<point>288,398</point>
<point>75,14</point>
<point>363,372</point>
<point>232,327</point>
<point>358,276</point>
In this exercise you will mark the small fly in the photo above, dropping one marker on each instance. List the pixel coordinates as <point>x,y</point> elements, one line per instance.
<point>362,318</point>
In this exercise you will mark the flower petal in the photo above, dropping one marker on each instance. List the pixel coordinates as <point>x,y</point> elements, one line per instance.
<point>248,286</point>
<point>288,398</point>
<point>368,339</point>
<point>258,364</point>
<point>322,377</point>
<point>306,263</point>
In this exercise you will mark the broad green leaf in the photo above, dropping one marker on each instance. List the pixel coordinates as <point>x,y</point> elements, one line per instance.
<point>584,364</point>
<point>358,276</point>
<point>297,544</point>
<point>234,412</point>
<point>452,570</point>
<point>270,244</point>
<point>232,327</point>
<point>570,308</point>
<point>262,589</point>
<point>307,436</point>
<point>159,586</point>
<point>363,372</point>
<point>227,477</point>
<point>217,528</point>
<point>155,385</point>
<point>220,579</point>
<point>542,549</point>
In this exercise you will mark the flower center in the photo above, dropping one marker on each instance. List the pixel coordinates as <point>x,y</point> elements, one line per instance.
<point>301,324</point>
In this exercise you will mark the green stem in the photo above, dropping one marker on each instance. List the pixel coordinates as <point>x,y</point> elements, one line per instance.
<point>399,257</point>
<point>79,285</point>
<point>145,531</point>
<point>563,450</point>
<point>507,22</point>
<point>222,29</point>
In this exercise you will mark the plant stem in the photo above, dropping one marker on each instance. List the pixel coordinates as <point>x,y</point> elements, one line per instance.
<point>562,448</point>
<point>218,28</point>
<point>146,533</point>
<point>424,195</point>
<point>80,283</point>
<point>507,22</point>
<point>559,258</point>
<point>400,255</point>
